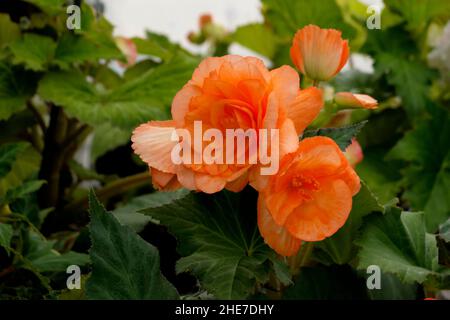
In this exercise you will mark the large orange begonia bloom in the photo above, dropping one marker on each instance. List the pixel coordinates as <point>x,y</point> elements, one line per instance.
<point>229,92</point>
<point>309,199</point>
<point>319,53</point>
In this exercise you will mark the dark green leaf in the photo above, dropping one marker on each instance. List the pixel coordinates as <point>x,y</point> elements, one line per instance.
<point>398,243</point>
<point>16,87</point>
<point>342,136</point>
<point>427,149</point>
<point>44,258</point>
<point>26,163</point>
<point>123,265</point>
<point>49,6</point>
<point>325,283</point>
<point>128,214</point>
<point>8,154</point>
<point>219,241</point>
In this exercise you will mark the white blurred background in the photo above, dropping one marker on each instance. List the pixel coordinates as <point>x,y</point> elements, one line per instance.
<point>176,18</point>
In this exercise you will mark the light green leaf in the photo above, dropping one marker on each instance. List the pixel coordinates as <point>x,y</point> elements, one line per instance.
<point>137,101</point>
<point>128,214</point>
<point>34,51</point>
<point>287,16</point>
<point>256,37</point>
<point>427,149</point>
<point>339,247</point>
<point>123,265</point>
<point>421,13</point>
<point>219,241</point>
<point>342,136</point>
<point>398,243</point>
<point>108,137</point>
<point>9,31</point>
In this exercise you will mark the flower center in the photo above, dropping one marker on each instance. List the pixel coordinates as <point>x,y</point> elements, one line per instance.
<point>305,185</point>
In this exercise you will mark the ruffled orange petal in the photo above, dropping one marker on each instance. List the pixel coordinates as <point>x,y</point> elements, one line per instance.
<point>324,215</point>
<point>305,108</point>
<point>238,184</point>
<point>209,184</point>
<point>276,237</point>
<point>285,83</point>
<point>152,141</point>
<point>164,181</point>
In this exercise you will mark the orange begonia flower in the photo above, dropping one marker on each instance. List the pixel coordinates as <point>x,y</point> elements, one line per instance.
<point>309,199</point>
<point>354,153</point>
<point>229,92</point>
<point>319,53</point>
<point>355,100</point>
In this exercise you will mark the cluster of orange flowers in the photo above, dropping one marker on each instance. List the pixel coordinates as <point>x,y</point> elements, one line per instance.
<point>310,197</point>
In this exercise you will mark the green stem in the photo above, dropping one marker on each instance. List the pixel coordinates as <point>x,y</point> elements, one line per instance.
<point>302,258</point>
<point>112,189</point>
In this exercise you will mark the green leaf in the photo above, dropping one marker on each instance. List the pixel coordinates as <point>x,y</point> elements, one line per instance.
<point>25,163</point>
<point>128,214</point>
<point>22,190</point>
<point>218,240</point>
<point>123,265</point>
<point>339,248</point>
<point>342,136</point>
<point>34,51</point>
<point>16,87</point>
<point>287,16</point>
<point>157,45</point>
<point>393,289</point>
<point>427,149</point>
<point>6,233</point>
<point>256,37</point>
<point>325,283</point>
<point>137,101</point>
<point>444,230</point>
<point>398,243</point>
<point>9,31</point>
<point>419,15</point>
<point>87,47</point>
<point>106,138</point>
<point>51,7</point>
<point>382,177</point>
<point>8,154</point>
<point>410,78</point>
<point>44,258</point>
